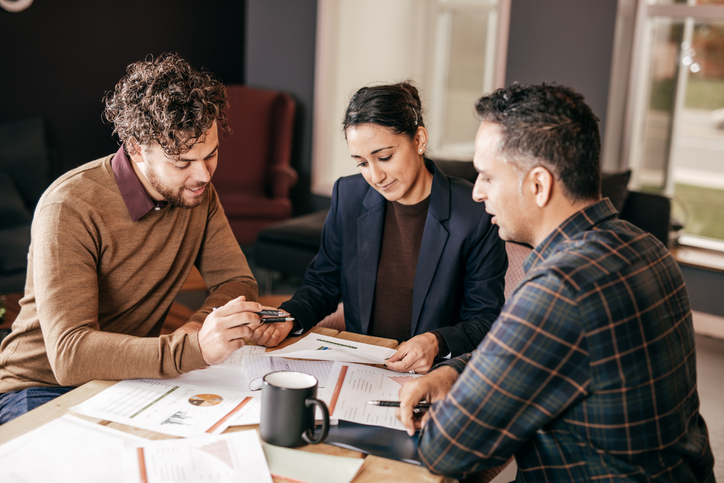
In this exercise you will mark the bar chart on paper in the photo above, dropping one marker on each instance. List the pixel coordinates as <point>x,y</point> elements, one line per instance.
<point>166,407</point>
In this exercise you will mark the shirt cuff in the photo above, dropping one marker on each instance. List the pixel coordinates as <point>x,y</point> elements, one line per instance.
<point>298,328</point>
<point>441,346</point>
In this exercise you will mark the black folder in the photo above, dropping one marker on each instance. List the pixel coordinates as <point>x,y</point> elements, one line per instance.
<point>376,440</point>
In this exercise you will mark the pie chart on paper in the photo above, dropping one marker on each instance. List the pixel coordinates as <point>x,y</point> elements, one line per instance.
<point>205,400</point>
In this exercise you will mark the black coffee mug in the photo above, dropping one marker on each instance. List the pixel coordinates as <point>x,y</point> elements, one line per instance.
<point>288,400</point>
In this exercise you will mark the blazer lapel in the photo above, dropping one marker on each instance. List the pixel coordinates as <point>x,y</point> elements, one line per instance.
<point>433,243</point>
<point>369,241</point>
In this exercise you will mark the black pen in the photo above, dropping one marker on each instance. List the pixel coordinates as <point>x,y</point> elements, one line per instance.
<point>269,320</point>
<point>421,406</point>
<point>278,313</point>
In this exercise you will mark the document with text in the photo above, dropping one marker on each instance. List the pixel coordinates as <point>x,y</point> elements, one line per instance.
<point>350,387</point>
<point>227,375</point>
<point>321,347</point>
<point>164,406</point>
<point>257,366</point>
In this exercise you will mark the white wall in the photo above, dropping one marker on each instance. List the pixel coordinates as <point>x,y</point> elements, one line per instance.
<point>359,42</point>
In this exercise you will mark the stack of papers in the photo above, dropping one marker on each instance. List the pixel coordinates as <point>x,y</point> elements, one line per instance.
<point>227,458</point>
<point>70,449</point>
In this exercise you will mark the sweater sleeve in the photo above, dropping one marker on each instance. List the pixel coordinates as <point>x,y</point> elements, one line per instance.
<point>67,269</point>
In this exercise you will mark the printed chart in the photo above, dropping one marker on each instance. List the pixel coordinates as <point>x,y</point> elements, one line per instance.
<point>163,406</point>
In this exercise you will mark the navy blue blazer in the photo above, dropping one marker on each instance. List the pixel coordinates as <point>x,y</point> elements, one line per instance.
<point>459,279</point>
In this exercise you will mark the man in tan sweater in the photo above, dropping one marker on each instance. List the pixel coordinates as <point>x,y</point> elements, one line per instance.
<point>114,240</point>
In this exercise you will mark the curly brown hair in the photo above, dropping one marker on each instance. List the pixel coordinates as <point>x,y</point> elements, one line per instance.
<point>165,101</point>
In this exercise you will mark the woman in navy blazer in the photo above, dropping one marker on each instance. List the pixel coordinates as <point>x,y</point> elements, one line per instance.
<point>379,220</point>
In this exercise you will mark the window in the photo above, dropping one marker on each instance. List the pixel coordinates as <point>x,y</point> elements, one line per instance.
<point>450,49</point>
<point>463,69</point>
<point>677,131</point>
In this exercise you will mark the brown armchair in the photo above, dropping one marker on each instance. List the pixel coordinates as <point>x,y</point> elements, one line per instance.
<point>254,175</point>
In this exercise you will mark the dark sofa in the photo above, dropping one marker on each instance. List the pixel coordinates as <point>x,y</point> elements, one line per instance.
<point>27,168</point>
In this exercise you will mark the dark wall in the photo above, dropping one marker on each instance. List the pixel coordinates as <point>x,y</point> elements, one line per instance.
<point>280,54</point>
<point>58,58</point>
<point>569,42</point>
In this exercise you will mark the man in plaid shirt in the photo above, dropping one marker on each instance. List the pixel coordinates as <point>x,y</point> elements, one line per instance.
<point>589,372</point>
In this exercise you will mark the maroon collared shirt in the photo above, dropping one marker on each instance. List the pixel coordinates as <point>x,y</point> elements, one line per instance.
<point>137,199</point>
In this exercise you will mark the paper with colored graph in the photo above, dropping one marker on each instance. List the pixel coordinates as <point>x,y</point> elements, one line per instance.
<point>321,347</point>
<point>164,406</point>
<point>351,386</point>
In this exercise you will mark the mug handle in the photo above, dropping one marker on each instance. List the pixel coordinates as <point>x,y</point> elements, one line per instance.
<point>308,434</point>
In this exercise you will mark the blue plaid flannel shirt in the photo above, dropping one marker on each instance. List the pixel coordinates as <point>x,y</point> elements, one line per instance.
<point>589,372</point>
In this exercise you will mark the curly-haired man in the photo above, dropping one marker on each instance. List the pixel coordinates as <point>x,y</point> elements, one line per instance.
<point>114,240</point>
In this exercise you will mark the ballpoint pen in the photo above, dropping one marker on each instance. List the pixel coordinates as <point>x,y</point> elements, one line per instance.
<point>279,315</point>
<point>269,320</point>
<point>421,406</point>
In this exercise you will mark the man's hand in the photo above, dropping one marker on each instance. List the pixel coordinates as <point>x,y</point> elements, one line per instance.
<point>431,387</point>
<point>224,329</point>
<point>270,335</point>
<point>417,354</point>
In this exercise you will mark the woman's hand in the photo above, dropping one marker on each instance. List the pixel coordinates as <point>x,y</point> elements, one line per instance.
<point>417,354</point>
<point>271,335</point>
<point>224,329</point>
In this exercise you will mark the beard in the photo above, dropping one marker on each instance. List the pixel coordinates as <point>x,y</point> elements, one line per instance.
<point>176,198</point>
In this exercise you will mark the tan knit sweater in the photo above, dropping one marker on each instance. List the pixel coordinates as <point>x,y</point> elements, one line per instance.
<point>99,285</point>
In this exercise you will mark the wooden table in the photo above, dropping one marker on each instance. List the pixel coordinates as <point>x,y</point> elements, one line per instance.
<point>375,469</point>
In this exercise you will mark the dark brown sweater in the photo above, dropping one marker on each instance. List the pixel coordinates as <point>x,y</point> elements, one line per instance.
<point>401,239</point>
<point>100,285</point>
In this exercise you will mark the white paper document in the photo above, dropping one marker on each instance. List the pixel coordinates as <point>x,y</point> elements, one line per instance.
<point>237,357</point>
<point>227,458</point>
<point>249,414</point>
<point>227,375</point>
<point>164,406</point>
<point>68,449</point>
<point>350,388</point>
<point>321,347</point>
<point>257,366</point>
